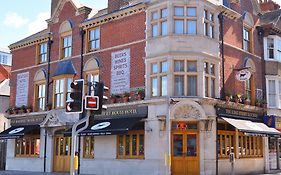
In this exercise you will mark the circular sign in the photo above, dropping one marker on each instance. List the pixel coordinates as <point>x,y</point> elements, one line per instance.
<point>17,130</point>
<point>243,75</point>
<point>100,126</point>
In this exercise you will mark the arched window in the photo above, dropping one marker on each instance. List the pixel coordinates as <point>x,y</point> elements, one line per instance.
<point>65,39</point>
<point>91,70</point>
<point>40,90</point>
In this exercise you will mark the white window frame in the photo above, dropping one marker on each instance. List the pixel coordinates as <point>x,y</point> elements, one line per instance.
<point>277,92</point>
<point>276,40</point>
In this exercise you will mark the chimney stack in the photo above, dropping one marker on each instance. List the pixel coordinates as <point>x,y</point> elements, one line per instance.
<point>268,5</point>
<point>114,5</point>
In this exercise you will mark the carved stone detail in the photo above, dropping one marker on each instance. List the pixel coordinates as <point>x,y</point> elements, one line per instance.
<point>187,112</point>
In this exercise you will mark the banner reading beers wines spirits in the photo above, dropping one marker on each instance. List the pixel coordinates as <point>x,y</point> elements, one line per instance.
<point>120,71</point>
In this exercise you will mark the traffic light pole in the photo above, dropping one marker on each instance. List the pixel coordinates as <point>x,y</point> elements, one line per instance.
<point>74,138</point>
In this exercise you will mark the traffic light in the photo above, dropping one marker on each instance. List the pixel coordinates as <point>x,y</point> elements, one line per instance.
<point>75,104</point>
<point>99,90</point>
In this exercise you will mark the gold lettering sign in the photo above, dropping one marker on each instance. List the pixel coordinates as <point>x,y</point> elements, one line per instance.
<point>241,113</point>
<point>120,112</point>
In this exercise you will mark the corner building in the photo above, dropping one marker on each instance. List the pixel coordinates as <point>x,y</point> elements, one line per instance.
<point>167,56</point>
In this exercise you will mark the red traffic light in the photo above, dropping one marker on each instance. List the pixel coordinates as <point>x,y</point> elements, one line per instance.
<point>92,102</point>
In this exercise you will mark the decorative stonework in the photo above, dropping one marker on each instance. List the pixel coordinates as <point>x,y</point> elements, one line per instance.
<point>187,112</point>
<point>52,120</point>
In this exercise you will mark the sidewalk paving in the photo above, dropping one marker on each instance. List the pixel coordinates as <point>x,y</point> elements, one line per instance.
<point>29,173</point>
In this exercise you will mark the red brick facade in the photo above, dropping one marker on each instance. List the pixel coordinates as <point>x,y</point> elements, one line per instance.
<point>119,32</point>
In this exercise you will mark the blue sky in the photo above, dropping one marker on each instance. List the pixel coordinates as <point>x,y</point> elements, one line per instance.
<point>21,18</point>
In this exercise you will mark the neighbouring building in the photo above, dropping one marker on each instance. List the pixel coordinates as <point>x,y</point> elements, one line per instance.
<point>5,68</point>
<point>176,60</point>
<point>270,32</point>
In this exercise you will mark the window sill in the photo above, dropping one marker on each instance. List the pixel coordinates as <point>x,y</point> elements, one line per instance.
<point>36,156</point>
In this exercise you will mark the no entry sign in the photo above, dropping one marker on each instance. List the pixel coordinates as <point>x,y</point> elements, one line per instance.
<point>92,102</point>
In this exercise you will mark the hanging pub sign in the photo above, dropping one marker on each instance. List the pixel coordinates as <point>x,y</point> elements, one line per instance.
<point>243,75</point>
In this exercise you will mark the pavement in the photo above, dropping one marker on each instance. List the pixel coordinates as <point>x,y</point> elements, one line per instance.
<point>29,173</point>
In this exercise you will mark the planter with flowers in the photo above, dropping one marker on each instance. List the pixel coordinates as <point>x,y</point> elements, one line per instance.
<point>126,97</point>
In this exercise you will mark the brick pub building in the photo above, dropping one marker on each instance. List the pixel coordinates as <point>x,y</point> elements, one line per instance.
<point>179,55</point>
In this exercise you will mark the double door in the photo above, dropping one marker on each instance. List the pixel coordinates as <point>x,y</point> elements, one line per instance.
<point>62,152</point>
<point>185,153</point>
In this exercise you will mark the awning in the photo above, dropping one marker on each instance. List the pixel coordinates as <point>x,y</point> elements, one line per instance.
<point>17,131</point>
<point>250,127</point>
<point>65,68</point>
<point>110,126</point>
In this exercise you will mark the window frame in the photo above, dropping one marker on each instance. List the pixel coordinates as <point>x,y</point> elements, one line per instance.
<point>248,41</point>
<point>157,23</point>
<point>209,24</point>
<point>65,90</point>
<point>131,156</point>
<point>29,138</point>
<point>209,76</point>
<point>89,41</point>
<point>87,74</point>
<point>62,48</point>
<point>157,75</point>
<point>39,54</point>
<point>186,74</point>
<point>91,147</point>
<point>186,19</point>
<point>36,99</point>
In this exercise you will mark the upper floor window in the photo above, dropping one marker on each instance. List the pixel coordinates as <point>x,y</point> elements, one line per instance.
<point>40,95</point>
<point>185,78</point>
<point>210,78</point>
<point>94,39</point>
<point>66,46</point>
<point>185,21</point>
<point>42,53</point>
<point>273,47</point>
<point>92,77</point>
<point>62,92</point>
<point>246,39</point>
<point>209,24</point>
<point>3,59</point>
<point>272,92</point>
<point>159,25</point>
<point>159,77</point>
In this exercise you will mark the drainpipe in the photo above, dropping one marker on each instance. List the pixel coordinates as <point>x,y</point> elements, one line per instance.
<point>47,96</point>
<point>82,33</point>
<point>221,21</point>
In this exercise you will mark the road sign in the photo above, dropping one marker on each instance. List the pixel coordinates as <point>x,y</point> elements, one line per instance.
<point>92,102</point>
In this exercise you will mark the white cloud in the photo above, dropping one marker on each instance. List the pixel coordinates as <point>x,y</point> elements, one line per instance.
<point>39,23</point>
<point>15,20</point>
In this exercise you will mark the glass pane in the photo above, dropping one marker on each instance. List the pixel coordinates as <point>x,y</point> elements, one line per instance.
<point>66,146</point>
<point>164,28</point>
<point>205,14</point>
<point>141,146</point>
<point>191,66</point>
<point>212,88</point>
<point>86,146</point>
<point>179,85</point>
<point>164,13</point>
<point>192,86</point>
<point>154,87</point>
<point>127,147</point>
<point>61,146</point>
<point>206,67</point>
<point>120,145</point>
<point>164,66</point>
<point>191,27</point>
<point>17,146</point>
<point>211,29</point>
<point>211,17</point>
<point>178,11</point>
<point>154,68</point>
<point>179,66</point>
<point>212,69</point>
<point>23,144</point>
<point>97,33</point>
<point>206,29</point>
<point>154,15</point>
<point>32,146</point>
<point>178,26</point>
<point>37,146</point>
<point>191,11</point>
<point>191,145</point>
<point>154,30</point>
<point>177,145</point>
<point>206,86</point>
<point>92,146</point>
<point>27,147</point>
<point>134,145</point>
<point>164,85</point>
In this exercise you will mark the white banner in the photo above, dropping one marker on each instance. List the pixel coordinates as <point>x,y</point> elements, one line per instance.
<point>22,89</point>
<point>120,71</point>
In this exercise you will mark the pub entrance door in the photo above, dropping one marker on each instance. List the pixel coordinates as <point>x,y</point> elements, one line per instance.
<point>62,152</point>
<point>185,151</point>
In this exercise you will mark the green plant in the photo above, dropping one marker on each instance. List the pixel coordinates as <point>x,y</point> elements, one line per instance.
<point>126,94</point>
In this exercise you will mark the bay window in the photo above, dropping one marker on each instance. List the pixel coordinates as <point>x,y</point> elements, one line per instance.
<point>62,92</point>
<point>208,24</point>
<point>185,21</point>
<point>159,78</point>
<point>185,78</point>
<point>159,25</point>
<point>210,77</point>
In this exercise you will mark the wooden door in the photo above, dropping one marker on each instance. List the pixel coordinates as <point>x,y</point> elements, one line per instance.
<point>62,151</point>
<point>185,153</point>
